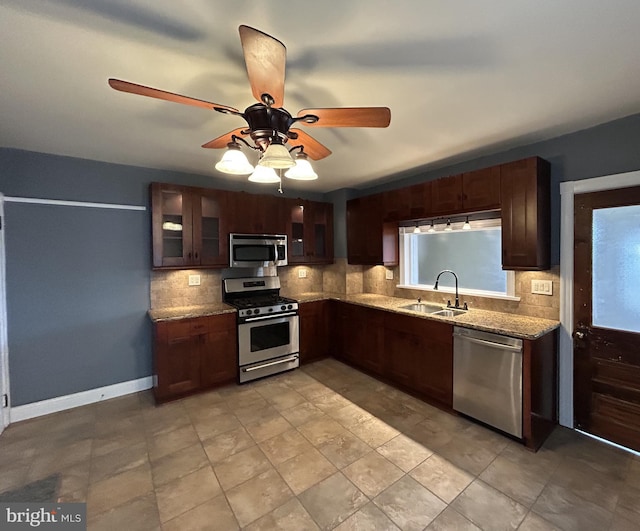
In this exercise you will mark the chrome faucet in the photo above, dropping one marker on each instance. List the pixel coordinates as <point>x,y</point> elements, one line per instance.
<point>457,305</point>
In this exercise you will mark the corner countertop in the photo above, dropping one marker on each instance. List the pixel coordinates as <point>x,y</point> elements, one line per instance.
<point>187,312</point>
<point>520,326</point>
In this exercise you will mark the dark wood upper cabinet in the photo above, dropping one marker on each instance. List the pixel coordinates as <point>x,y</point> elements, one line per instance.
<point>446,195</point>
<point>256,214</point>
<point>526,217</point>
<point>309,231</point>
<point>188,226</point>
<point>366,232</point>
<point>481,189</point>
<point>410,202</point>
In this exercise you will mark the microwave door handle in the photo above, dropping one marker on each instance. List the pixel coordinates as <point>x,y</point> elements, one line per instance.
<point>275,253</point>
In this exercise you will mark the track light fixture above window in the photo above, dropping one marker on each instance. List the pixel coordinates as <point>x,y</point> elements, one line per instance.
<point>466,225</point>
<point>448,225</point>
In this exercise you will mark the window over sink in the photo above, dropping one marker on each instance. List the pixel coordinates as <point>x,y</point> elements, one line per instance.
<point>474,255</point>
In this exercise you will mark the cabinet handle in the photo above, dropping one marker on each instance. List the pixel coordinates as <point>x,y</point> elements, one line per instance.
<point>196,256</point>
<point>189,256</point>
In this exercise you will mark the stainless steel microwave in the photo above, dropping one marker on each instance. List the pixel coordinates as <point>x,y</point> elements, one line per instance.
<point>257,250</point>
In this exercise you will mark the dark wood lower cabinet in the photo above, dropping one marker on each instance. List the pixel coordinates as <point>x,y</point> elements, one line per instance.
<point>419,355</point>
<point>314,330</point>
<point>192,355</point>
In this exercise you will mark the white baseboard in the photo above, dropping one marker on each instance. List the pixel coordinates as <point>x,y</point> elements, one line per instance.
<point>60,403</point>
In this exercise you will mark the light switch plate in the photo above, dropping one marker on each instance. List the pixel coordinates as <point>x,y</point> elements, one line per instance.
<point>302,273</point>
<point>194,280</point>
<point>388,274</point>
<point>542,287</point>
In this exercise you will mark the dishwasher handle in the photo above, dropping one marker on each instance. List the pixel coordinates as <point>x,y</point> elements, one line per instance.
<point>501,346</point>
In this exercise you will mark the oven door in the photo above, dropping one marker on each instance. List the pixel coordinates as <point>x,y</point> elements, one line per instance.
<point>266,337</point>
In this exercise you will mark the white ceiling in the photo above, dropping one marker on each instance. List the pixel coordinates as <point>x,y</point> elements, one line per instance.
<point>462,78</point>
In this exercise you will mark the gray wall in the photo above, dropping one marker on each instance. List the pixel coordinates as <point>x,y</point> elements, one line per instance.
<point>77,277</point>
<point>606,149</point>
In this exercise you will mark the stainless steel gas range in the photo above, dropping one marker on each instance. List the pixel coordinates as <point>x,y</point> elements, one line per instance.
<point>268,327</point>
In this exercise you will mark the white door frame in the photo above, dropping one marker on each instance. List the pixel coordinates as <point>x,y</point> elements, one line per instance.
<point>567,192</point>
<point>4,348</point>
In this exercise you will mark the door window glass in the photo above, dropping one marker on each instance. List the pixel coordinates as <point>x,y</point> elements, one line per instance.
<point>616,268</point>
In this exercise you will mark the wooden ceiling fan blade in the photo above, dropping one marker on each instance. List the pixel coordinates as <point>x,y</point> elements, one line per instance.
<point>222,141</point>
<point>349,117</point>
<point>133,88</point>
<point>312,147</point>
<point>265,57</point>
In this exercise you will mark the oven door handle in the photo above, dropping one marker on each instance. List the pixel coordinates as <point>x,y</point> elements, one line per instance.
<point>272,316</point>
<point>277,362</point>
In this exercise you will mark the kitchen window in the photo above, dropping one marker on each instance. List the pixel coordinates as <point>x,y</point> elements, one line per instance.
<point>475,255</point>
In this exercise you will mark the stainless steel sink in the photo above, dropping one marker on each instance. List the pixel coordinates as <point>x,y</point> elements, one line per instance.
<point>449,312</point>
<point>422,307</point>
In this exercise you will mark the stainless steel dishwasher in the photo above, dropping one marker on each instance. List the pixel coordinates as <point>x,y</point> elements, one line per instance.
<point>487,378</point>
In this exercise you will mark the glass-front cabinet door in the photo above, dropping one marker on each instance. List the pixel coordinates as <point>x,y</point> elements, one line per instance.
<point>209,228</point>
<point>188,226</point>
<point>297,245</point>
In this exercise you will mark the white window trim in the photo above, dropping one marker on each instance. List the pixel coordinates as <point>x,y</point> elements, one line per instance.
<point>406,273</point>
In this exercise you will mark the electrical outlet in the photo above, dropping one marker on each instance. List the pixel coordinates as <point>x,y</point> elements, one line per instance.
<point>194,280</point>
<point>388,274</point>
<point>302,273</point>
<point>542,287</point>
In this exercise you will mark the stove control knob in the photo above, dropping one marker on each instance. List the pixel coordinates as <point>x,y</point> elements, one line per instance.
<point>257,310</point>
<point>270,309</point>
<point>248,312</point>
<point>283,307</point>
<point>290,306</point>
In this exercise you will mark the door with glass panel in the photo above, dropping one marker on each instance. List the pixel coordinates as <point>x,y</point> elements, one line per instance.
<point>606,337</point>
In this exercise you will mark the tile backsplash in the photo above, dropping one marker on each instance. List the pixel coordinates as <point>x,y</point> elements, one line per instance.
<point>171,288</point>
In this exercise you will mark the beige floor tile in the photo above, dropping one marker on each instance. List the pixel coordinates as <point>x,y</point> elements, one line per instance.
<point>167,443</point>
<point>372,473</point>
<point>291,516</point>
<point>226,444</point>
<point>488,508</point>
<point>441,477</point>
<point>516,481</point>
<point>374,432</point>
<point>350,415</point>
<point>178,464</point>
<point>283,447</point>
<point>257,411</point>
<point>187,492</point>
<point>140,514</point>
<point>332,501</point>
<point>533,522</point>
<point>46,462</point>
<point>74,479</point>
<point>165,418</point>
<point>409,504</point>
<point>305,470</point>
<point>240,467</point>
<point>110,442</point>
<point>212,514</point>
<point>330,402</point>
<point>622,524</point>
<point>258,496</point>
<point>430,434</point>
<point>264,429</point>
<point>212,427</point>
<point>302,413</point>
<point>588,483</point>
<point>321,430</point>
<point>314,390</point>
<point>344,449</point>
<point>286,400</point>
<point>633,476</point>
<point>569,512</point>
<point>369,518</point>
<point>118,489</point>
<point>629,504</point>
<point>202,413</point>
<point>404,452</point>
<point>451,520</point>
<point>118,461</point>
<point>13,475</point>
<point>463,453</point>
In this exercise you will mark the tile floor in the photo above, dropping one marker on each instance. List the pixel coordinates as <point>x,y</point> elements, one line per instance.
<point>324,447</point>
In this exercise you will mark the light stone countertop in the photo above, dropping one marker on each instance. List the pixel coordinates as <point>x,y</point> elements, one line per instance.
<point>520,326</point>
<point>186,312</point>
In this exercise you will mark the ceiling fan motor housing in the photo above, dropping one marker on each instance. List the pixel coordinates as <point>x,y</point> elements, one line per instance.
<point>265,121</point>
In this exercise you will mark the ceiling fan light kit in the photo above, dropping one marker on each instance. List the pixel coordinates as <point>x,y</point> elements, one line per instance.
<point>264,175</point>
<point>234,161</point>
<point>269,125</point>
<point>302,171</point>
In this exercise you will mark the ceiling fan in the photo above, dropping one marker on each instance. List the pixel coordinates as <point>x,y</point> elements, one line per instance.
<point>269,124</point>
